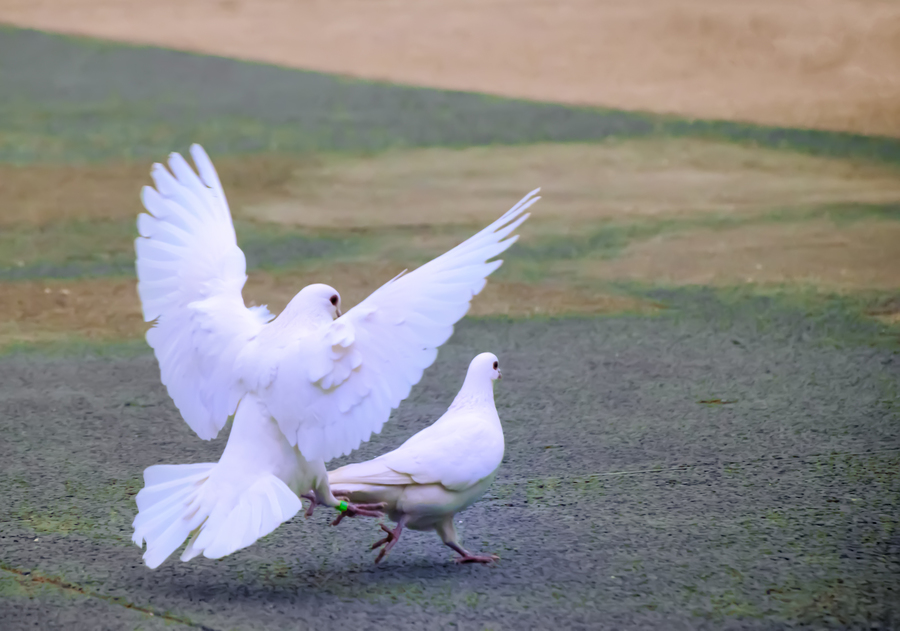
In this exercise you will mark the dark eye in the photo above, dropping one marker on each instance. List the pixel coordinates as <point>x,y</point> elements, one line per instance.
<point>496,365</point>
<point>334,300</point>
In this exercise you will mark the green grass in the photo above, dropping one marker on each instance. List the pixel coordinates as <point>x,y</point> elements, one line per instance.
<point>839,320</point>
<point>610,237</point>
<point>76,99</point>
<point>76,249</point>
<point>76,346</point>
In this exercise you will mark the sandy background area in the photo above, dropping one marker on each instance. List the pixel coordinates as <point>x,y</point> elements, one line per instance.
<point>670,211</point>
<point>830,64</point>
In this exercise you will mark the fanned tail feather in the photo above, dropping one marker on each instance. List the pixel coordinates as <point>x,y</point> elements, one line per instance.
<point>178,500</point>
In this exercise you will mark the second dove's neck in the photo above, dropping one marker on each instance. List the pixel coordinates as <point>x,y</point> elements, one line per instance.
<point>474,391</point>
<point>299,313</point>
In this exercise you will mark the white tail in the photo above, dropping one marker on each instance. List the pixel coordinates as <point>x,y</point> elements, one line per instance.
<point>178,500</point>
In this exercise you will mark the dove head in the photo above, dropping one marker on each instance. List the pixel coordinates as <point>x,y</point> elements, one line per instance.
<point>316,302</point>
<point>478,388</point>
<point>485,366</point>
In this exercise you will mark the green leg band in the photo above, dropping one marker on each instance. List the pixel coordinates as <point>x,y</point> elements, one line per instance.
<point>343,506</point>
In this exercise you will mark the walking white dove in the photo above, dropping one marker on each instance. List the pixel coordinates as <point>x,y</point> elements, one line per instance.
<point>440,471</point>
<point>304,387</point>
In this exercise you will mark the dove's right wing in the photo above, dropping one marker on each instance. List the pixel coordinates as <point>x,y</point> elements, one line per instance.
<point>458,451</point>
<point>331,396</point>
<point>190,275</point>
<point>456,455</point>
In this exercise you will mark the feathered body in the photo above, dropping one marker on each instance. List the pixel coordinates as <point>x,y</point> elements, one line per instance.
<point>304,387</point>
<point>443,469</point>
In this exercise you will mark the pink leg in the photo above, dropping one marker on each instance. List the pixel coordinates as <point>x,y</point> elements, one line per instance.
<point>468,557</point>
<point>393,536</point>
<point>313,502</point>
<point>355,510</point>
<point>447,532</point>
<point>352,510</point>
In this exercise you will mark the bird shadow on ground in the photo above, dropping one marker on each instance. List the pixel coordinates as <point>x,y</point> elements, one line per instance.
<point>296,583</point>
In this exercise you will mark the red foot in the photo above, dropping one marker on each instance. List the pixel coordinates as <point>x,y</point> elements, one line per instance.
<point>477,558</point>
<point>356,510</point>
<point>467,557</point>
<point>393,536</point>
<point>353,510</point>
<point>313,502</point>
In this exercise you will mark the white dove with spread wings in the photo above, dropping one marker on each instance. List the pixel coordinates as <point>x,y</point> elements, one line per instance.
<point>303,387</point>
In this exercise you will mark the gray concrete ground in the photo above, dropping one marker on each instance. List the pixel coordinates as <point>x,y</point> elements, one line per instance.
<point>624,500</point>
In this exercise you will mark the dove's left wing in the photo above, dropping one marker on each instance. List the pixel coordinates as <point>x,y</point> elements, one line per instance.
<point>458,451</point>
<point>190,275</point>
<point>373,354</point>
<point>457,455</point>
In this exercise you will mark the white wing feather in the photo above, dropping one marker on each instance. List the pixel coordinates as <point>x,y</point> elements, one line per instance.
<point>457,452</point>
<point>375,353</point>
<point>327,392</point>
<point>190,275</point>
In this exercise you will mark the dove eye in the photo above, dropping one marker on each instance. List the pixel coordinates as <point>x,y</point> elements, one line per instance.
<point>334,300</point>
<point>496,365</point>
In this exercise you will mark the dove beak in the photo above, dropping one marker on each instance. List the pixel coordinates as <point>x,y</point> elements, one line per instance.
<point>499,375</point>
<point>338,311</point>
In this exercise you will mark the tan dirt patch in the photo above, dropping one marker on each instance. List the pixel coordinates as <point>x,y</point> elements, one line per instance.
<point>355,282</point>
<point>832,64</point>
<point>46,311</point>
<point>525,300</point>
<point>109,310</point>
<point>40,194</point>
<point>862,255</point>
<point>888,312</point>
<point>581,183</point>
<point>890,319</point>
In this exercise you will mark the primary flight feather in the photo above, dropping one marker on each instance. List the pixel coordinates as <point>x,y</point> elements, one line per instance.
<point>304,387</point>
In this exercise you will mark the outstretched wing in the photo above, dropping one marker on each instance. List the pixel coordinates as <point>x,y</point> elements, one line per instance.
<point>454,452</point>
<point>190,275</point>
<point>373,354</point>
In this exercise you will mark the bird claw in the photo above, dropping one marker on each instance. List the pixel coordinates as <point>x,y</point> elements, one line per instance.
<point>393,536</point>
<point>357,510</point>
<point>353,510</point>
<point>313,502</point>
<point>477,558</point>
<point>467,557</point>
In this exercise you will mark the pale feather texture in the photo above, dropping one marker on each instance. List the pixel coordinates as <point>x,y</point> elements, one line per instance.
<point>226,505</point>
<point>328,387</point>
<point>190,274</point>
<point>459,450</point>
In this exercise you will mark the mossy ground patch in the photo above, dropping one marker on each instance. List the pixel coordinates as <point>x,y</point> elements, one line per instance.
<point>817,253</point>
<point>581,183</point>
<point>108,310</point>
<point>658,211</point>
